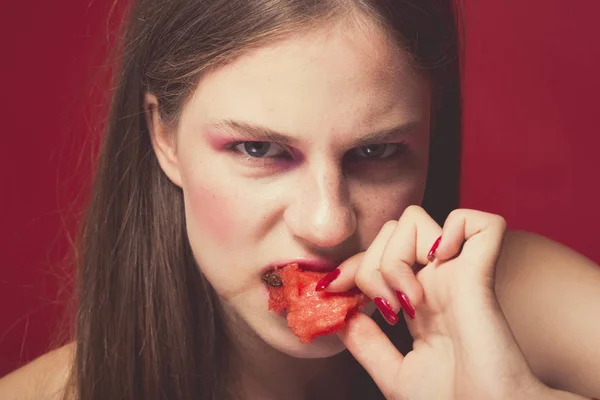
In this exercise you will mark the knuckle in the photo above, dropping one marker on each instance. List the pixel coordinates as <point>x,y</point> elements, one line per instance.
<point>389,225</point>
<point>393,275</point>
<point>387,268</point>
<point>457,214</point>
<point>413,211</point>
<point>363,279</point>
<point>397,272</point>
<point>393,264</point>
<point>494,221</point>
<point>395,269</point>
<point>500,222</point>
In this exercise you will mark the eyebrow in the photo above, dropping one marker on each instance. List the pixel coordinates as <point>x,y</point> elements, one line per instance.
<point>263,134</point>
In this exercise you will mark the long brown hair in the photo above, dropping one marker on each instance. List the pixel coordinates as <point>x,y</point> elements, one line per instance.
<point>148,325</point>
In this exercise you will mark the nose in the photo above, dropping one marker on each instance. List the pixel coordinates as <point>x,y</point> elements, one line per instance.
<point>321,212</point>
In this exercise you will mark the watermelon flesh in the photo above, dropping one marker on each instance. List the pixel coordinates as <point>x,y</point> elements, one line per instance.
<point>311,313</point>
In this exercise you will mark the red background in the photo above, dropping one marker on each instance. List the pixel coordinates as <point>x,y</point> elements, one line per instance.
<point>530,141</point>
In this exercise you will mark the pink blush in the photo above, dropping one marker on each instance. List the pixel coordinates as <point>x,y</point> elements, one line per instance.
<point>211,214</point>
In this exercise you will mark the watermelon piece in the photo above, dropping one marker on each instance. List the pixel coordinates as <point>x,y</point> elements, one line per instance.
<point>311,313</point>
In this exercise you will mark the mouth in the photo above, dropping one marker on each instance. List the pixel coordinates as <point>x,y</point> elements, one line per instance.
<point>322,265</point>
<point>308,264</point>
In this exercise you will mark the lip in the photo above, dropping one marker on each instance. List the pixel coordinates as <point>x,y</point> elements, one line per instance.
<point>314,264</point>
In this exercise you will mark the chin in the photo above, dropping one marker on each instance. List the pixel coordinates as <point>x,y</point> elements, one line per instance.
<point>283,340</point>
<point>268,328</point>
<point>276,333</point>
<point>255,324</point>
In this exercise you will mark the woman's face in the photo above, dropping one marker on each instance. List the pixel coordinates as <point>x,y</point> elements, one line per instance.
<point>298,152</point>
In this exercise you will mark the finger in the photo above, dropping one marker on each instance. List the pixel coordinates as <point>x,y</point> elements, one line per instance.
<point>370,281</point>
<point>346,279</point>
<point>423,231</point>
<point>407,246</point>
<point>341,279</point>
<point>373,350</point>
<point>366,276</point>
<point>474,234</point>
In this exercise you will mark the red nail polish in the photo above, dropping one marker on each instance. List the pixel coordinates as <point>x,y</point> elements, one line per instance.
<point>431,254</point>
<point>386,310</point>
<point>327,279</point>
<point>406,304</point>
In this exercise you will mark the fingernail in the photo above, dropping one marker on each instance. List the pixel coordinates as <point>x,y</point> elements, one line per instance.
<point>431,254</point>
<point>386,310</point>
<point>406,304</point>
<point>327,279</point>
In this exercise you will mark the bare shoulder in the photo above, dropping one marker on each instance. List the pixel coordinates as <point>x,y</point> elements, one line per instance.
<point>531,244</point>
<point>536,260</point>
<point>44,378</point>
<point>550,295</point>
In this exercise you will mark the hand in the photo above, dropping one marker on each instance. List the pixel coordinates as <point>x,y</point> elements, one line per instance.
<point>463,347</point>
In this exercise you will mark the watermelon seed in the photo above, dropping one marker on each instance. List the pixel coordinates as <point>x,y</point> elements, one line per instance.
<point>272,279</point>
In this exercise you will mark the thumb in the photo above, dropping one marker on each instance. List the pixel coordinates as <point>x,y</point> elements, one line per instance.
<point>373,350</point>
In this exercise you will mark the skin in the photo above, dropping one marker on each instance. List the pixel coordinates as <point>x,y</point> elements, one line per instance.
<point>463,346</point>
<point>245,214</point>
<point>312,200</point>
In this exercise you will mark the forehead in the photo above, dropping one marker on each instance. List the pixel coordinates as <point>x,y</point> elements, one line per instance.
<point>330,81</point>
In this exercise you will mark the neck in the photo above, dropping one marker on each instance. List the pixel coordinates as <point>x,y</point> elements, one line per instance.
<point>279,376</point>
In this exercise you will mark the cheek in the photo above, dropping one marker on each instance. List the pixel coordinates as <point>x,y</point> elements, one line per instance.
<point>212,219</point>
<point>390,205</point>
<point>211,213</point>
<point>379,206</point>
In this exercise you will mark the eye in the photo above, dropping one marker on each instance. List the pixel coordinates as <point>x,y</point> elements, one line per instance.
<point>377,151</point>
<point>260,149</point>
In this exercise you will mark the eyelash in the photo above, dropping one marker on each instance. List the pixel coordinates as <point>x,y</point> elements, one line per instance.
<point>260,161</point>
<point>400,149</point>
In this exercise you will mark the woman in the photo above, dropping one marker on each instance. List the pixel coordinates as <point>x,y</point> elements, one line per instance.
<point>249,134</point>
